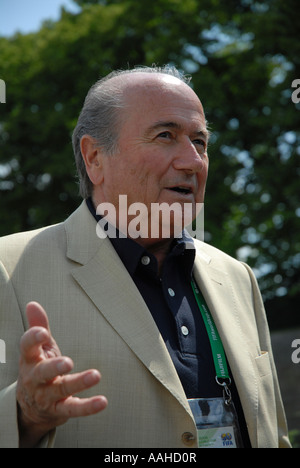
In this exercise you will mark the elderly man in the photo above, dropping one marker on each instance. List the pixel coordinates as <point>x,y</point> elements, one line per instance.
<point>146,311</point>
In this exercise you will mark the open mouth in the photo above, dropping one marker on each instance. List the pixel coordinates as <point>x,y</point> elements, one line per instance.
<point>179,189</point>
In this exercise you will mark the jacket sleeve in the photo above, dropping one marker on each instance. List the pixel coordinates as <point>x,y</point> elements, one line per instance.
<point>11,330</point>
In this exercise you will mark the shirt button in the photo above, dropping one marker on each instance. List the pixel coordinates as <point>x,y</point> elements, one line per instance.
<point>184,330</point>
<point>145,260</point>
<point>188,438</point>
<point>171,292</point>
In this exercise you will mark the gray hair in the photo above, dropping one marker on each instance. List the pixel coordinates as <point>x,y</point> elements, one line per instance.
<point>99,117</point>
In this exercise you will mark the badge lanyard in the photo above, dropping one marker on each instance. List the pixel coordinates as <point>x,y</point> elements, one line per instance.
<point>222,374</point>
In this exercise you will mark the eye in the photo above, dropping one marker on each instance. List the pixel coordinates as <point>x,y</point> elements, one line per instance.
<point>200,143</point>
<point>166,135</point>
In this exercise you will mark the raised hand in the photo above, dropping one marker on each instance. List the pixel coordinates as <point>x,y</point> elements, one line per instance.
<point>45,388</point>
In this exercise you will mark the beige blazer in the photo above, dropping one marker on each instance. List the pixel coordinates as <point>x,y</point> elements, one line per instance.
<point>100,320</point>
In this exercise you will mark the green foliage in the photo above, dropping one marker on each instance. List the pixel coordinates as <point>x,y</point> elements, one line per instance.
<point>243,56</point>
<point>294,436</point>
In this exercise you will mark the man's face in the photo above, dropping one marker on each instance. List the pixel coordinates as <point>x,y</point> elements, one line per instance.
<point>162,155</point>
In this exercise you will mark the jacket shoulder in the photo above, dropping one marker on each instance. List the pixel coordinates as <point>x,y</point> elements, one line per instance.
<point>220,260</point>
<point>14,246</point>
<point>211,253</point>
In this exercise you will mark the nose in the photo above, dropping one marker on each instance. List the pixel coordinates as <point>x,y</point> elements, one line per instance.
<point>189,158</point>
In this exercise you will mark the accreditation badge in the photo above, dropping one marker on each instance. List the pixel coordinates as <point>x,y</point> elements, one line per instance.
<point>216,422</point>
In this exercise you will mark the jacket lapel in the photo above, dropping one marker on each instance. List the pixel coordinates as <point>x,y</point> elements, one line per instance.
<point>105,280</point>
<point>219,294</point>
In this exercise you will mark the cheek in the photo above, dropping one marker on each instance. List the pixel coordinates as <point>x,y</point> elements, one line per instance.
<point>147,174</point>
<point>139,173</point>
<point>146,187</point>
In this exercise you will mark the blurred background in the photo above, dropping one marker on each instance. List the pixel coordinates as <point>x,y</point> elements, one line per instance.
<point>243,57</point>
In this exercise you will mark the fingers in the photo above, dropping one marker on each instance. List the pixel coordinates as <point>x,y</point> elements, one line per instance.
<point>69,385</point>
<point>47,370</point>
<point>50,377</point>
<point>32,342</point>
<point>56,397</point>
<point>45,386</point>
<point>73,407</point>
<point>37,316</point>
<point>53,371</point>
<point>37,342</point>
<point>79,407</point>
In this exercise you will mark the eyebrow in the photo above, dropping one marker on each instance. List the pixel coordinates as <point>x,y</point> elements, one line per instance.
<point>169,124</point>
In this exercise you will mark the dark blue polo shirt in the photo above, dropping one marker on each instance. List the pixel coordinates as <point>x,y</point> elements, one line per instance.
<point>170,299</point>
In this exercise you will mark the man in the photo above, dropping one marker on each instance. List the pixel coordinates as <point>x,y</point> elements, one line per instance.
<point>125,306</point>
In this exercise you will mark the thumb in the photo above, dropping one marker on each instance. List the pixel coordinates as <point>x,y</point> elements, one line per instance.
<point>37,316</point>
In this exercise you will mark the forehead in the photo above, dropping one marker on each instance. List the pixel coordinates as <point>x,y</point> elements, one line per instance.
<point>149,99</point>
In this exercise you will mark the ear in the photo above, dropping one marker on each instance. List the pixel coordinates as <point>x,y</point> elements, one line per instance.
<point>92,157</point>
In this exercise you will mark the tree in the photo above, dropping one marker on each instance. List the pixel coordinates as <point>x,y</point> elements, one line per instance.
<point>243,56</point>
